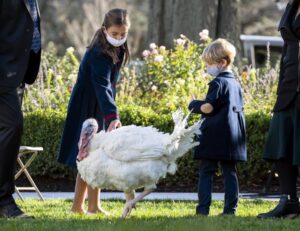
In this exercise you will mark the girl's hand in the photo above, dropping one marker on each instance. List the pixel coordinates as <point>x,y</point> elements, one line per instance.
<point>114,125</point>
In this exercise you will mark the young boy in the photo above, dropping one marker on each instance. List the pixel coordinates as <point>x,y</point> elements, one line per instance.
<point>223,138</point>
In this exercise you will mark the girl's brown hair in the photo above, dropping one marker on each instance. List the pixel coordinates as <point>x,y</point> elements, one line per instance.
<point>117,17</point>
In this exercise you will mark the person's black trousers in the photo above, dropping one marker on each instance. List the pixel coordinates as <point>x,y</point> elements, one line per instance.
<point>11,125</point>
<point>288,174</point>
<point>205,185</point>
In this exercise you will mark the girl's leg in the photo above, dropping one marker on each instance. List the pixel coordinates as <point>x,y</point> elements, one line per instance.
<point>207,170</point>
<point>231,186</point>
<point>94,201</point>
<point>79,197</point>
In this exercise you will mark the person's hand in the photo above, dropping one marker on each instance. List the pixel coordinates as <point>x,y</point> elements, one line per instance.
<point>114,125</point>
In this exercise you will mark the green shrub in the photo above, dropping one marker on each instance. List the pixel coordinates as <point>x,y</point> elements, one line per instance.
<point>44,128</point>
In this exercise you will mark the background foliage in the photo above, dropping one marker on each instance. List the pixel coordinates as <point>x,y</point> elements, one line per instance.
<point>149,90</point>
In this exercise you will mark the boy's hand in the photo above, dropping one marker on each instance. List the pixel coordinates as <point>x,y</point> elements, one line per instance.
<point>207,108</point>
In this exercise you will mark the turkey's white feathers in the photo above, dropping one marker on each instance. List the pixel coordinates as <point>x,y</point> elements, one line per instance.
<point>132,157</point>
<point>144,143</point>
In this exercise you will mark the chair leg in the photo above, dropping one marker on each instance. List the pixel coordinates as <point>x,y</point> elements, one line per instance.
<point>19,194</point>
<point>24,169</point>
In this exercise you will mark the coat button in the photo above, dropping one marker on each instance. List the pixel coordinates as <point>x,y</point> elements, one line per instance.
<point>27,29</point>
<point>25,50</point>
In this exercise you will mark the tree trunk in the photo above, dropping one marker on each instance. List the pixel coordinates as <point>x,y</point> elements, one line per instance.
<point>170,18</point>
<point>229,26</point>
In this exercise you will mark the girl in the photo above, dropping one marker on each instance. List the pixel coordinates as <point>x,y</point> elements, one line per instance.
<point>94,96</point>
<point>223,131</point>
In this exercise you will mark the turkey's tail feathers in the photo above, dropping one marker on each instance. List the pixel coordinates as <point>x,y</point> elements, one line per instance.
<point>182,138</point>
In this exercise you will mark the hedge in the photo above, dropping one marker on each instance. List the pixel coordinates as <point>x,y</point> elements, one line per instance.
<point>44,128</point>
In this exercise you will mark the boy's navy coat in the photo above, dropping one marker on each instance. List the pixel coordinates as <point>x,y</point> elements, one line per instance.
<point>223,131</point>
<point>93,96</point>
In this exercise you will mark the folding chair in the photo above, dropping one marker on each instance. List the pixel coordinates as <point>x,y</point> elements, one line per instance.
<point>32,151</point>
<point>26,151</point>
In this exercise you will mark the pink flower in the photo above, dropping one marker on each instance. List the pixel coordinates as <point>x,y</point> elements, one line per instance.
<point>146,53</point>
<point>180,42</point>
<point>154,52</point>
<point>204,35</point>
<point>158,58</point>
<point>152,46</point>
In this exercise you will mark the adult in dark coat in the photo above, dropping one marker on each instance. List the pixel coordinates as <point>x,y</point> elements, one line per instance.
<point>20,52</point>
<point>282,145</point>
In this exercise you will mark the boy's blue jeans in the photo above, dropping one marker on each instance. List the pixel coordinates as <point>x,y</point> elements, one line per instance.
<point>207,171</point>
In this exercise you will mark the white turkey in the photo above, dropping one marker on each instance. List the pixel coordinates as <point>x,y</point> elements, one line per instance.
<point>132,157</point>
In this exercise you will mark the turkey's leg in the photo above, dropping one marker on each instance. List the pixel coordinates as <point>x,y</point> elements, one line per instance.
<point>129,196</point>
<point>131,204</point>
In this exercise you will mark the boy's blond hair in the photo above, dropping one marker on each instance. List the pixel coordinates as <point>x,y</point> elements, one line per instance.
<point>218,50</point>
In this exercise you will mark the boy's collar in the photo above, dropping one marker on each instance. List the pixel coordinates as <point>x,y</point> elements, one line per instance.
<point>226,74</point>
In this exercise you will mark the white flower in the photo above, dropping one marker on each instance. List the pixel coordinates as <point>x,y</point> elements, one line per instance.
<point>167,82</point>
<point>182,36</point>
<point>180,42</point>
<point>154,88</point>
<point>162,48</point>
<point>204,34</point>
<point>146,53</point>
<point>152,46</point>
<point>158,58</point>
<point>71,49</point>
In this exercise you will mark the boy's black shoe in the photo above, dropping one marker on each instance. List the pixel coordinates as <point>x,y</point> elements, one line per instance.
<point>12,211</point>
<point>287,208</point>
<point>202,214</point>
<point>227,214</point>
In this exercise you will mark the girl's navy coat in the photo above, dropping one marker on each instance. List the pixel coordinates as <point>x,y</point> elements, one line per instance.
<point>93,96</point>
<point>223,131</point>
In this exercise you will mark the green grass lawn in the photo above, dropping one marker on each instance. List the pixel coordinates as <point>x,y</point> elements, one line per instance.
<point>149,215</point>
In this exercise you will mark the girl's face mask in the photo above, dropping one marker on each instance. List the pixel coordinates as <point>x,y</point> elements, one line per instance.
<point>115,42</point>
<point>114,32</point>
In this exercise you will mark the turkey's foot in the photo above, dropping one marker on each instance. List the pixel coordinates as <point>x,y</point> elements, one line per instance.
<point>131,204</point>
<point>128,208</point>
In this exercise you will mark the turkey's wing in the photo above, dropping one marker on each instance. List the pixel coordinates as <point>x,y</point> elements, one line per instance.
<point>134,143</point>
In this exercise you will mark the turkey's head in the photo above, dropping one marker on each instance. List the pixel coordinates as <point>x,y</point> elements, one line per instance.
<point>89,129</point>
